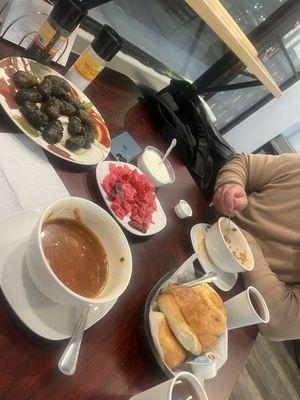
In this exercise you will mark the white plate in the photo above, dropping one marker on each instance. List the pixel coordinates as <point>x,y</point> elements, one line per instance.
<point>49,320</point>
<point>225,281</point>
<point>159,216</point>
<point>101,146</point>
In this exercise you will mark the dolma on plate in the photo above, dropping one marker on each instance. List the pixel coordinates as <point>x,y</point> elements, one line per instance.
<point>24,79</point>
<point>32,95</point>
<point>34,115</point>
<point>53,132</point>
<point>75,142</point>
<point>51,107</point>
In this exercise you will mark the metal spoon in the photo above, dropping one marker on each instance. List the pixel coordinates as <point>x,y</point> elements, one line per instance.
<point>209,277</point>
<point>170,148</point>
<point>228,225</point>
<point>68,361</point>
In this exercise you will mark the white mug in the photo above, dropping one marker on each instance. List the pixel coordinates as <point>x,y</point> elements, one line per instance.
<point>246,308</point>
<point>165,390</point>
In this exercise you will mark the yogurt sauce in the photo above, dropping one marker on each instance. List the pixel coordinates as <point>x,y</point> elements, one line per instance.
<point>153,163</point>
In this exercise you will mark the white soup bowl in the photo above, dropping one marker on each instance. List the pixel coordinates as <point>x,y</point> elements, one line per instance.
<point>219,252</point>
<point>107,231</point>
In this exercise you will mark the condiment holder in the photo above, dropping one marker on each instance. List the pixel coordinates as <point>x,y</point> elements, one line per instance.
<point>183,209</point>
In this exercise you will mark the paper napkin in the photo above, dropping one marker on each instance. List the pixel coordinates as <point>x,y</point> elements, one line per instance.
<point>27,179</point>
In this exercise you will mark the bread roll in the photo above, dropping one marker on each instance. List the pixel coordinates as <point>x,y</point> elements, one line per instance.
<point>173,353</point>
<point>202,309</point>
<point>180,328</point>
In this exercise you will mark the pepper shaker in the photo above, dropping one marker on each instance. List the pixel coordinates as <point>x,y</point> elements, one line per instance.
<point>52,35</point>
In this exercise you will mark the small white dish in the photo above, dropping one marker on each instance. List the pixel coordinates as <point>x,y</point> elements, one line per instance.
<point>149,162</point>
<point>225,280</point>
<point>47,319</point>
<point>159,216</point>
<point>183,209</point>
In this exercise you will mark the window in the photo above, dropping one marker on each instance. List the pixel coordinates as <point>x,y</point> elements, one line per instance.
<point>168,36</point>
<point>278,42</point>
<point>170,33</point>
<point>229,105</point>
<point>249,14</point>
<point>291,42</point>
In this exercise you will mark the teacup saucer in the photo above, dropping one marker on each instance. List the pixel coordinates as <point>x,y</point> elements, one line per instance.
<point>45,318</point>
<point>226,280</point>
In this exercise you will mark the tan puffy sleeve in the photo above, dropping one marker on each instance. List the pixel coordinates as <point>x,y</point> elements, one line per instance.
<point>252,171</point>
<point>283,301</point>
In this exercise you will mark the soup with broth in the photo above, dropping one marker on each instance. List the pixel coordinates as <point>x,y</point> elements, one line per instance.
<point>75,255</point>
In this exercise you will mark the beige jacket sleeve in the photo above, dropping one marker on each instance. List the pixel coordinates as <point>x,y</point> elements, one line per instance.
<point>251,171</point>
<point>283,301</point>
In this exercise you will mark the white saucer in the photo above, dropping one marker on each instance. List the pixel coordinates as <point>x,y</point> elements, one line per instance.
<point>49,320</point>
<point>226,280</point>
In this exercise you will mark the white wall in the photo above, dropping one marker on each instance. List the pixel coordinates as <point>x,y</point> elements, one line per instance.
<point>276,117</point>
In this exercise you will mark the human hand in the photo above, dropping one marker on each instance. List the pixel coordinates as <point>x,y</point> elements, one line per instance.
<point>230,197</point>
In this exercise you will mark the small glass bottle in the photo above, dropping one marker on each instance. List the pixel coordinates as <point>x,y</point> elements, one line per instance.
<point>52,35</point>
<point>94,58</point>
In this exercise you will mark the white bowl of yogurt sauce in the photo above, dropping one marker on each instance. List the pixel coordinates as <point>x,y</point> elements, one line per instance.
<point>150,163</point>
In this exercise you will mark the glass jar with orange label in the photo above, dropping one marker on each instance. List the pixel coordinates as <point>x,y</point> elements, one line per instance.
<point>52,35</point>
<point>92,61</point>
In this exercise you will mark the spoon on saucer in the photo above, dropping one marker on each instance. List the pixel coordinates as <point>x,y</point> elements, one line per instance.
<point>68,361</point>
<point>170,148</point>
<point>209,277</point>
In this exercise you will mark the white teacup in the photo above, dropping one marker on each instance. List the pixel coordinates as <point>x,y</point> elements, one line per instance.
<point>110,235</point>
<point>167,389</point>
<point>247,308</point>
<point>218,249</point>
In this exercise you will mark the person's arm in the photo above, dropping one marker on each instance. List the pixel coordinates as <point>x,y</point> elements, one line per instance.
<point>251,171</point>
<point>245,173</point>
<point>283,301</point>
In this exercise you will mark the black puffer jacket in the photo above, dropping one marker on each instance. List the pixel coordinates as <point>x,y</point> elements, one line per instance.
<point>179,113</point>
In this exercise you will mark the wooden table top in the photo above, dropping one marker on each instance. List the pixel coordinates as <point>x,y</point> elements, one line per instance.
<point>113,363</point>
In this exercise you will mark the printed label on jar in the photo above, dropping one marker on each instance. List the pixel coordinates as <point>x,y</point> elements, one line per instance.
<point>44,35</point>
<point>88,67</point>
<point>57,46</point>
